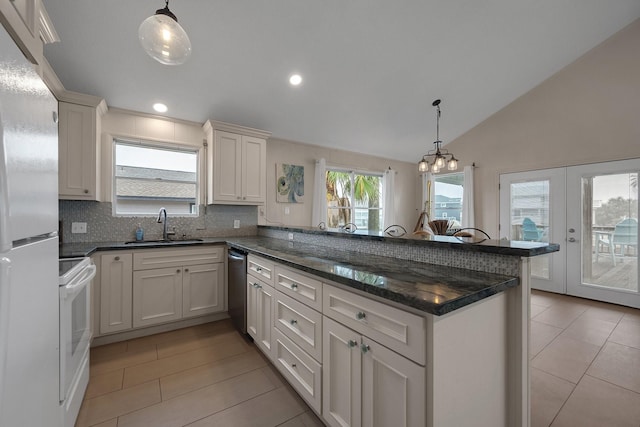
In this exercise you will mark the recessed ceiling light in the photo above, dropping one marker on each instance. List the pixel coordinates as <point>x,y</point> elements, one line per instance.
<point>295,79</point>
<point>160,108</point>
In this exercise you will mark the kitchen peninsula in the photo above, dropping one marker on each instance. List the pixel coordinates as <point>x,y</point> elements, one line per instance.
<point>442,321</point>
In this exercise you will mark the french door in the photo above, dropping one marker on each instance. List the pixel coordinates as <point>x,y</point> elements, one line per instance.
<point>537,198</point>
<point>592,212</point>
<point>602,208</point>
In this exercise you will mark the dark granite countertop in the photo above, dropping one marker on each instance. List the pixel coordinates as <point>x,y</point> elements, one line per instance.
<point>71,250</point>
<point>429,288</point>
<point>471,244</point>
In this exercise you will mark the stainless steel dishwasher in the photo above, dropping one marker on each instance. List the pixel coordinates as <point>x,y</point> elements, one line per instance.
<point>237,287</point>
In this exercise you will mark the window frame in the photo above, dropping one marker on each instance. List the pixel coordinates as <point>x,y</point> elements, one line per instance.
<point>353,206</point>
<point>439,205</point>
<point>161,145</point>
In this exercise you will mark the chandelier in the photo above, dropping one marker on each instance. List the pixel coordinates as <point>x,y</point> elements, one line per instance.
<point>437,156</point>
<point>163,38</point>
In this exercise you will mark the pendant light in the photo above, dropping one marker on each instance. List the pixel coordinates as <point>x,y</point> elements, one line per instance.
<point>163,38</point>
<point>439,155</point>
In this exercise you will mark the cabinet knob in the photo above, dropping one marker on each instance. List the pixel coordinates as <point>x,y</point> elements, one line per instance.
<point>244,198</point>
<point>258,269</point>
<point>117,258</point>
<point>365,348</point>
<point>238,197</point>
<point>257,285</point>
<point>293,365</point>
<point>352,343</point>
<point>178,271</point>
<point>86,191</point>
<point>186,270</point>
<point>361,315</point>
<point>294,286</point>
<point>293,321</point>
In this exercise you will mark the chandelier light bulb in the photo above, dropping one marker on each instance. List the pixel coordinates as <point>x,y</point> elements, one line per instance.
<point>423,166</point>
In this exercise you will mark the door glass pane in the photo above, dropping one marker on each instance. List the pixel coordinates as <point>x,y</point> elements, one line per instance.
<point>530,219</point>
<point>610,231</point>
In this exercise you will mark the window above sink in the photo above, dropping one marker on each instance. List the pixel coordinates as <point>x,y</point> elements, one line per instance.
<point>151,175</point>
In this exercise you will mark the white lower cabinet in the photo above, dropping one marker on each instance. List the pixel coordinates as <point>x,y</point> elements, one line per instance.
<point>203,289</point>
<point>302,371</point>
<point>157,296</point>
<point>260,314</point>
<point>115,292</point>
<point>366,384</point>
<point>152,286</point>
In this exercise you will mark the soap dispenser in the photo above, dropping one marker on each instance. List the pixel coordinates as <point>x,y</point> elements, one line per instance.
<point>139,233</point>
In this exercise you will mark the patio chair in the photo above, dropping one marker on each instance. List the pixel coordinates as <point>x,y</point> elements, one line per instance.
<point>624,235</point>
<point>530,231</point>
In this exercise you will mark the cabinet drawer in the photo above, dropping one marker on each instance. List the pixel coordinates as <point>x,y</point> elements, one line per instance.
<point>299,323</point>
<point>174,257</point>
<point>260,268</point>
<point>403,332</point>
<point>300,287</point>
<point>302,372</point>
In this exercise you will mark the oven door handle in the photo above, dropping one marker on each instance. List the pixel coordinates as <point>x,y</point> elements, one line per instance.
<point>80,282</point>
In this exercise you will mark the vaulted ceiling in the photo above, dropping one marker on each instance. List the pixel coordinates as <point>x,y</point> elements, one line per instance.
<point>370,68</point>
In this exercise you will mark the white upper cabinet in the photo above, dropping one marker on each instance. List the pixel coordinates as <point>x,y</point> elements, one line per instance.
<point>79,151</point>
<point>236,164</point>
<point>30,26</point>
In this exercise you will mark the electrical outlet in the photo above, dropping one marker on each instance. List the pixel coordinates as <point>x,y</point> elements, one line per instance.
<point>78,227</point>
<point>287,211</point>
<point>290,236</point>
<point>236,223</point>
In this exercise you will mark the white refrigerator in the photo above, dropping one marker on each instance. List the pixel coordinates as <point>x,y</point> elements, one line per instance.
<point>29,319</point>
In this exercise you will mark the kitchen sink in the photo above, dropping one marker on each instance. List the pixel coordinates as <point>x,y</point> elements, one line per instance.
<point>161,242</point>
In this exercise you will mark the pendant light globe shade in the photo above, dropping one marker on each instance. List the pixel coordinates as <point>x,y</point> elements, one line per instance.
<point>164,39</point>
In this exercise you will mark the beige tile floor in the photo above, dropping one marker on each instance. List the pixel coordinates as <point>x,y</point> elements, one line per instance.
<point>585,359</point>
<point>585,363</point>
<point>206,375</point>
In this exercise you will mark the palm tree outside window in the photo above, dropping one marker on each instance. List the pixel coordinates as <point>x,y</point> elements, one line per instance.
<point>354,197</point>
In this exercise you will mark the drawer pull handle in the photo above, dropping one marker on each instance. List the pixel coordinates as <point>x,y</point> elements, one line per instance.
<point>365,348</point>
<point>117,258</point>
<point>293,365</point>
<point>257,285</point>
<point>361,315</point>
<point>352,343</point>
<point>258,269</point>
<point>293,321</point>
<point>294,286</point>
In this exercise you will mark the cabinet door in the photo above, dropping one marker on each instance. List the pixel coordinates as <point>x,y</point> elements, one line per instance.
<point>341,375</point>
<point>203,289</point>
<point>157,296</point>
<point>253,170</point>
<point>115,292</point>
<point>20,18</point>
<point>393,388</point>
<point>252,307</point>
<point>266,297</point>
<point>227,182</point>
<point>77,152</point>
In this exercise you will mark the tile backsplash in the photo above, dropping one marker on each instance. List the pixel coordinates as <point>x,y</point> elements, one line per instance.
<point>102,226</point>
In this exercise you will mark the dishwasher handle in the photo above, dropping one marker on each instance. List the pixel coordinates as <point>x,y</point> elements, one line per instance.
<point>237,256</point>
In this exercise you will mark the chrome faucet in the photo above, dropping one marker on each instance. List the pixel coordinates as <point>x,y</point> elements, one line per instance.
<point>162,218</point>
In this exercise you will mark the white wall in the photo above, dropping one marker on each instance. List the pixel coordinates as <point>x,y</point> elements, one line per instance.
<point>588,112</point>
<point>279,151</point>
